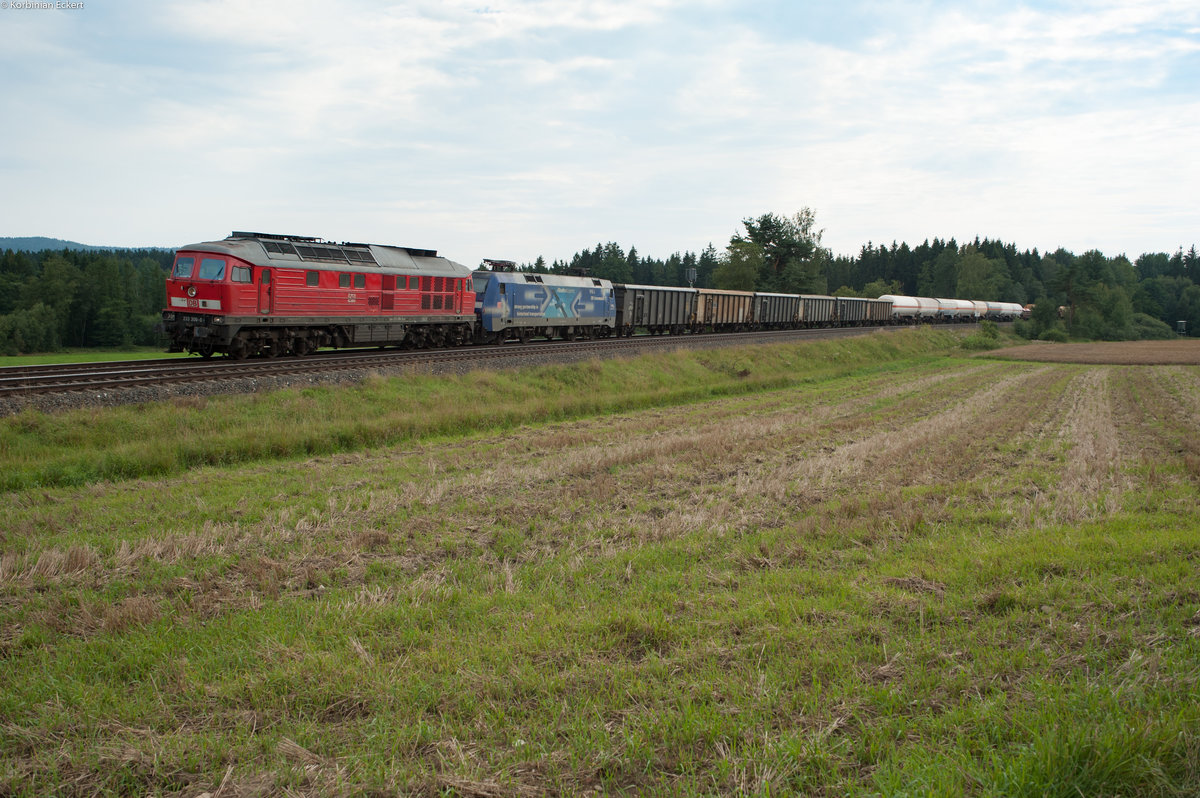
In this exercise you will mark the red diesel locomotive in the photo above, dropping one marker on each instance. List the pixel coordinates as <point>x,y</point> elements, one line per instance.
<point>261,294</point>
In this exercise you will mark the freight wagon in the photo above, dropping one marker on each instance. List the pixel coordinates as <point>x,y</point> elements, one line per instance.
<point>723,311</point>
<point>654,308</point>
<point>817,310</point>
<point>858,312</point>
<point>776,311</point>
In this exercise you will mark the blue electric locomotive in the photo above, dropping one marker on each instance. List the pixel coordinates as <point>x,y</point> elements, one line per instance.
<point>519,306</point>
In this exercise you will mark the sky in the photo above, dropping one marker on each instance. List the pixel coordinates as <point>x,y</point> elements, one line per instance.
<point>516,128</point>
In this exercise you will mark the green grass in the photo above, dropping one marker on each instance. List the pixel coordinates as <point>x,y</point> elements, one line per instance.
<point>87,356</point>
<point>74,448</point>
<point>899,572</point>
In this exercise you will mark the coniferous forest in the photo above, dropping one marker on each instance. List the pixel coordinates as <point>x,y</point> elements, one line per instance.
<point>59,298</point>
<point>76,298</point>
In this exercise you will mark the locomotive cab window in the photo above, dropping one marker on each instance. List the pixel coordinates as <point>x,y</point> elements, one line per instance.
<point>240,274</point>
<point>183,268</point>
<point>212,269</point>
<point>343,280</point>
<point>312,279</point>
<point>360,281</point>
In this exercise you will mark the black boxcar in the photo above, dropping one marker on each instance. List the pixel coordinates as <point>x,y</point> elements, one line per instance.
<point>879,311</point>
<point>776,311</point>
<point>657,308</point>
<point>817,310</point>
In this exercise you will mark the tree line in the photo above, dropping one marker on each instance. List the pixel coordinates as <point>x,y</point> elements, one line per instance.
<point>78,298</point>
<point>1085,296</point>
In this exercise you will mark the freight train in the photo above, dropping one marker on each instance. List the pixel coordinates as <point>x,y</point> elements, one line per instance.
<point>264,295</point>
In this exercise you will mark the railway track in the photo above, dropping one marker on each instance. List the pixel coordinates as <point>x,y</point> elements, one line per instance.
<point>31,381</point>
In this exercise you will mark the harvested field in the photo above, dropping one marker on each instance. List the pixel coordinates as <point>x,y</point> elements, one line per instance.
<point>940,575</point>
<point>1116,353</point>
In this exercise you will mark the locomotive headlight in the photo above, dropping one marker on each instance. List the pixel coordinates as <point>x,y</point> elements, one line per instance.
<point>168,316</point>
<point>218,320</point>
<point>191,290</point>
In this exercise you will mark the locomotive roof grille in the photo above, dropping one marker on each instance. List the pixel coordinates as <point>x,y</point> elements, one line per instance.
<point>311,248</point>
<point>327,253</point>
<point>276,247</point>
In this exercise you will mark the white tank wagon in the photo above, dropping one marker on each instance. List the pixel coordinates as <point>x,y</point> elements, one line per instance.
<point>956,309</point>
<point>966,310</point>
<point>1010,311</point>
<point>910,308</point>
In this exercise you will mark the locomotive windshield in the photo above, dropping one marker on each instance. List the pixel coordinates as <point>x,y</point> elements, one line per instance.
<point>212,269</point>
<point>183,268</point>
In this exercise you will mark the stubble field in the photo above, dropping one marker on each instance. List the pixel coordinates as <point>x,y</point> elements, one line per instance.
<point>866,567</point>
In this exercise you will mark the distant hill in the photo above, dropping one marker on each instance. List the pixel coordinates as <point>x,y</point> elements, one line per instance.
<point>39,243</point>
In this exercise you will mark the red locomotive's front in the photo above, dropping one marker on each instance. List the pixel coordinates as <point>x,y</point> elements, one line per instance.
<point>199,297</point>
<point>204,290</point>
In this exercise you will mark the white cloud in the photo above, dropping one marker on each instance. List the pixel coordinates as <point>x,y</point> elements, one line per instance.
<point>515,128</point>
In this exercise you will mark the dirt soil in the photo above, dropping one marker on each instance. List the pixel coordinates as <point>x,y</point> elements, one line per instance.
<point>1121,353</point>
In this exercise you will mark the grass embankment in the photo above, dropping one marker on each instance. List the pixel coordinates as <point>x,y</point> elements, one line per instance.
<point>936,576</point>
<point>38,450</point>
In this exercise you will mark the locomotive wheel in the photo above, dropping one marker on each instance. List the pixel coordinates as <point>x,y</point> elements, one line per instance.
<point>205,350</point>
<point>523,336</point>
<point>301,347</point>
<point>237,349</point>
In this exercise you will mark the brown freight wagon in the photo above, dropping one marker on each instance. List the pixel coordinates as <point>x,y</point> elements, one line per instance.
<point>723,310</point>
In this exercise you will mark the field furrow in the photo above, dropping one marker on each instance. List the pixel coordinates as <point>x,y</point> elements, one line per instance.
<point>940,576</point>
